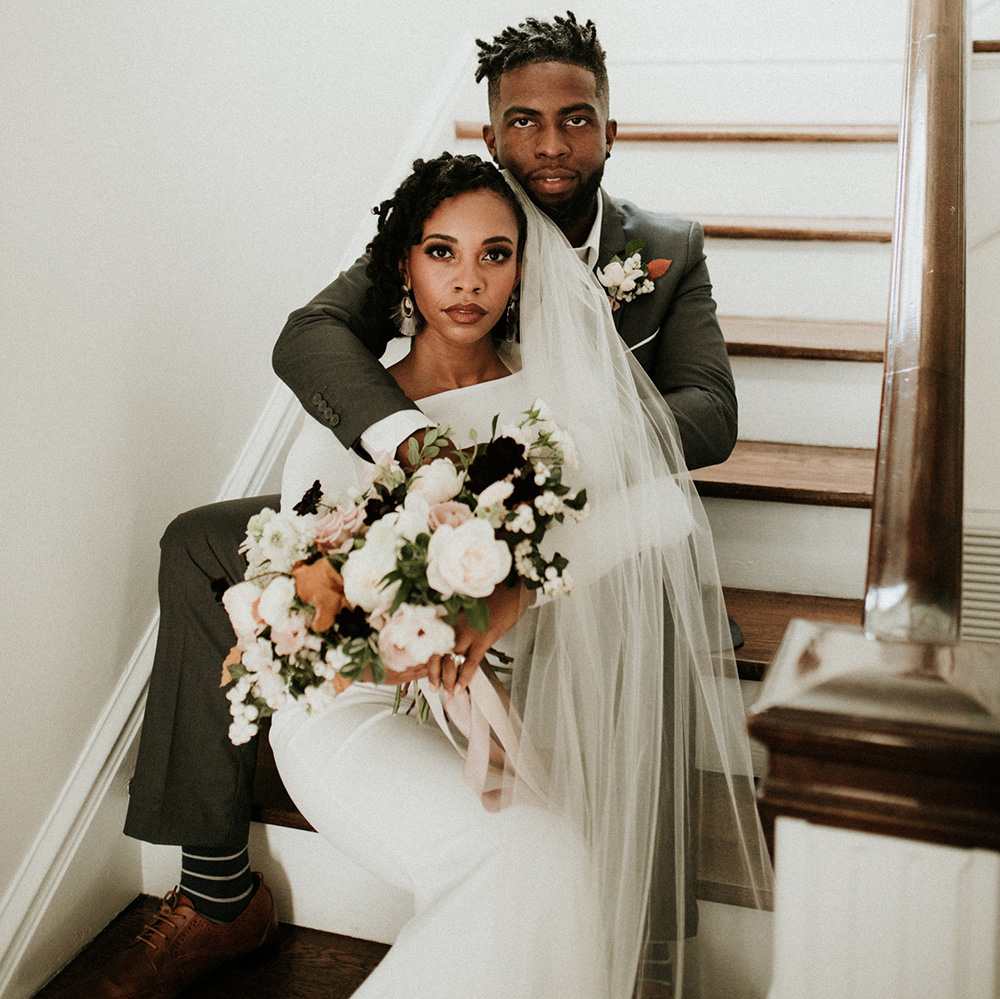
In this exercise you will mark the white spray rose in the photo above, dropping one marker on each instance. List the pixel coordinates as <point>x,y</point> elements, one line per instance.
<point>436,482</point>
<point>238,601</point>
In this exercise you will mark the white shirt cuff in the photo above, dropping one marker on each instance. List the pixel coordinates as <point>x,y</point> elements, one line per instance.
<point>386,435</point>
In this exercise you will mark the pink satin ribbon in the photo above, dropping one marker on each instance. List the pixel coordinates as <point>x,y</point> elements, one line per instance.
<point>493,733</point>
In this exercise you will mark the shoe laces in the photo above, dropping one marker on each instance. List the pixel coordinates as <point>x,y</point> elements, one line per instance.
<point>164,918</point>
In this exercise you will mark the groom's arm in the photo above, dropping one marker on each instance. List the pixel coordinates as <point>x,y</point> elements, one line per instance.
<point>691,367</point>
<point>328,355</point>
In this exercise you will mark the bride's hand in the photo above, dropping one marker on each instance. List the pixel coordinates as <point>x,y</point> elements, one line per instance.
<point>506,605</point>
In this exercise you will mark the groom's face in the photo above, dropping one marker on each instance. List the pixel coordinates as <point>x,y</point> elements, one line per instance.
<point>550,128</point>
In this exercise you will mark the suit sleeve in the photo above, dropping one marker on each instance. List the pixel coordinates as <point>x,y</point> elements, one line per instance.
<point>328,355</point>
<point>691,367</point>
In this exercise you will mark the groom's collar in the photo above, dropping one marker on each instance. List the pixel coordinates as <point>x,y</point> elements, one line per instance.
<point>591,248</point>
<point>612,231</point>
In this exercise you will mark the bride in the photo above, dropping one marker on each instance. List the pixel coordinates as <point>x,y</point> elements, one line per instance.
<point>626,688</point>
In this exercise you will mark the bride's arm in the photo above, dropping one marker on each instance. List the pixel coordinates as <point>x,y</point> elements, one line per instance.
<point>328,355</point>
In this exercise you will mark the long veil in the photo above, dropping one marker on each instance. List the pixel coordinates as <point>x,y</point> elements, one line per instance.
<point>628,687</point>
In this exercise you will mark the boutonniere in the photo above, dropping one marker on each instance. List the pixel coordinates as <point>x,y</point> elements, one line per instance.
<point>627,278</point>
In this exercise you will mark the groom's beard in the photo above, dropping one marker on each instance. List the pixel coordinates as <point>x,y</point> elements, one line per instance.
<point>580,206</point>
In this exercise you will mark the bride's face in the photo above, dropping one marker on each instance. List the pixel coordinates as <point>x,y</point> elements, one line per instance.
<point>465,267</point>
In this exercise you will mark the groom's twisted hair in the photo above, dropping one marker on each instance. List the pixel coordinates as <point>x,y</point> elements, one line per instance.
<point>562,40</point>
<point>401,218</point>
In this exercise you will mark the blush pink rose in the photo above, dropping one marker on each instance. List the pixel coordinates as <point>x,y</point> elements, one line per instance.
<point>452,514</point>
<point>335,530</point>
<point>412,635</point>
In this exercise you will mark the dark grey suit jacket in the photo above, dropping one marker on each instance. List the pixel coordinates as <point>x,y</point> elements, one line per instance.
<point>328,351</point>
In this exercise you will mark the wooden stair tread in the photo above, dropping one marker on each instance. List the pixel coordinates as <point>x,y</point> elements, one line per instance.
<point>986,45</point>
<point>748,336</point>
<point>792,473</point>
<point>304,964</point>
<point>763,617</point>
<point>794,229</point>
<point>653,132</point>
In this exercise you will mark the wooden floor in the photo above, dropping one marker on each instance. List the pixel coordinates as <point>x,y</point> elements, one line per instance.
<point>305,964</point>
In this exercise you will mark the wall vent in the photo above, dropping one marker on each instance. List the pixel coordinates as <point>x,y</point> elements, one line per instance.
<point>981,584</point>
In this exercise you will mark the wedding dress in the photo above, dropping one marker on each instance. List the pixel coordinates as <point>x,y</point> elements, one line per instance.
<point>627,693</point>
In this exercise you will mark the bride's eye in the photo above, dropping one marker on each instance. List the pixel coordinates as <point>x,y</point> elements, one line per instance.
<point>497,256</point>
<point>439,251</point>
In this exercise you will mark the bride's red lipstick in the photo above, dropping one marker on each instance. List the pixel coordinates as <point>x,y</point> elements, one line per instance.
<point>466,312</point>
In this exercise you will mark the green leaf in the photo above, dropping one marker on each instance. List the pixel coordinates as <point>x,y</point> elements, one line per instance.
<point>413,452</point>
<point>633,246</point>
<point>478,615</point>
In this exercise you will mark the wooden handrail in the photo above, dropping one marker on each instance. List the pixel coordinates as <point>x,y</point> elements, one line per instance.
<point>915,555</point>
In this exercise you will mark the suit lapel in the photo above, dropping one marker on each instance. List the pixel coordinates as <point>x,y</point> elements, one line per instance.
<point>612,240</point>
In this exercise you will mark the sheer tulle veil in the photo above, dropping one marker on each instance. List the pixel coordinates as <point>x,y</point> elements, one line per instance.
<point>628,686</point>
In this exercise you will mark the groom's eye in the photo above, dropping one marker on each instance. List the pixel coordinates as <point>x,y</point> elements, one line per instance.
<point>577,120</point>
<point>520,122</point>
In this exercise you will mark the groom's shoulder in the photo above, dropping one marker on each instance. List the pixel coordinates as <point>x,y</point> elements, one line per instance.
<point>637,221</point>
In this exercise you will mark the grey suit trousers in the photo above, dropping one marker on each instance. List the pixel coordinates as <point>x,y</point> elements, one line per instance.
<point>191,786</point>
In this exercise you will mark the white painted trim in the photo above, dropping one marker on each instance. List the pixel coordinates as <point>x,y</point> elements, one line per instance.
<point>38,880</point>
<point>52,852</point>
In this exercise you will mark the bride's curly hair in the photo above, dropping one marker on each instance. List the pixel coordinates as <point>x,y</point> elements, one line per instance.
<point>401,218</point>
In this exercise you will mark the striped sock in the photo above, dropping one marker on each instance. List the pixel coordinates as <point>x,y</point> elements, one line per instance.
<point>218,881</point>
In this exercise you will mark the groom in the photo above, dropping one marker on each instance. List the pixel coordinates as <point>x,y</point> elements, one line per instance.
<point>550,126</point>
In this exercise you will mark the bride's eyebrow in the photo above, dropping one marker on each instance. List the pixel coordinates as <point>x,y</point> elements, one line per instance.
<point>439,235</point>
<point>498,239</point>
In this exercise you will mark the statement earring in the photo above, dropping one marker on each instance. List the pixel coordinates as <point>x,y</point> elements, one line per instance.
<point>512,320</point>
<point>406,315</point>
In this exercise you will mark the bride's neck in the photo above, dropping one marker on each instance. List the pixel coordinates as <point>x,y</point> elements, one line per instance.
<point>435,365</point>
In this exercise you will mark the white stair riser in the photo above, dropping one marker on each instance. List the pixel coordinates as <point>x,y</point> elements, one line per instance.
<point>800,280</point>
<point>796,401</point>
<point>836,180</point>
<point>791,547</point>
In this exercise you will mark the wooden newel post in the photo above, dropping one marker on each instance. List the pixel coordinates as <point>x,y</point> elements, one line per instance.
<point>913,591</point>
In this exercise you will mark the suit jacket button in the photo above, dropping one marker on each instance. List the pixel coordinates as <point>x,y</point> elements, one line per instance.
<point>334,419</point>
<point>316,399</point>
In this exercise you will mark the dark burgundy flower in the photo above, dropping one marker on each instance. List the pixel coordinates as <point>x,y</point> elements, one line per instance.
<point>496,461</point>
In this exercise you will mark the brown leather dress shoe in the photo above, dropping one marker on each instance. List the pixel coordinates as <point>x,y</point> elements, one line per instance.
<point>180,946</point>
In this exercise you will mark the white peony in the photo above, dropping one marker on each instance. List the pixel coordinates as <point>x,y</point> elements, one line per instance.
<point>437,481</point>
<point>276,601</point>
<point>412,635</point>
<point>466,559</point>
<point>366,567</point>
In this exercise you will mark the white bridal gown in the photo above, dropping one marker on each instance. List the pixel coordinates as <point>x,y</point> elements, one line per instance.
<point>389,794</point>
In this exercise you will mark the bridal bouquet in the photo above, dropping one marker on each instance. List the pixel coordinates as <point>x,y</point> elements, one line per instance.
<point>373,581</point>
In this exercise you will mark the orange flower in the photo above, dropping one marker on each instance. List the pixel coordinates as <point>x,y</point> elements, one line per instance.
<point>657,268</point>
<point>235,656</point>
<point>321,585</point>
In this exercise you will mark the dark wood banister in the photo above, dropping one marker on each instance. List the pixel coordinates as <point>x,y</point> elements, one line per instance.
<point>913,591</point>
